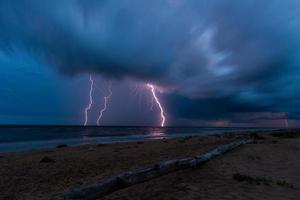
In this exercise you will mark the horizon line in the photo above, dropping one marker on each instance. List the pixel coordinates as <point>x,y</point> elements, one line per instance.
<point>138,126</point>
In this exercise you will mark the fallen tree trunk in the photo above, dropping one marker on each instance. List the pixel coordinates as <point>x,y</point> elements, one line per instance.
<point>129,178</point>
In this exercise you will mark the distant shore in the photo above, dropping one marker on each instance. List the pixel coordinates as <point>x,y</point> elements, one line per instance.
<point>268,169</point>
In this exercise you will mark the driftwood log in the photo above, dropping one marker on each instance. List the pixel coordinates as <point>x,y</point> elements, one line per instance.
<point>129,178</point>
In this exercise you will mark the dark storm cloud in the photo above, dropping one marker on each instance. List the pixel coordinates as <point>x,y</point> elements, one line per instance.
<point>213,56</point>
<point>211,108</point>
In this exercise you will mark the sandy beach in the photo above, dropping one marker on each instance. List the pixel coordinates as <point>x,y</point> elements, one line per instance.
<point>267,169</point>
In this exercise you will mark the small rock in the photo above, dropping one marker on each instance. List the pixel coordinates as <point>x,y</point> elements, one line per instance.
<point>46,159</point>
<point>79,183</point>
<point>257,136</point>
<point>188,137</point>
<point>61,146</point>
<point>91,149</point>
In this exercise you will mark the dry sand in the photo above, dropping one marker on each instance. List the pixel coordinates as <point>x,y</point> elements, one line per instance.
<point>22,176</point>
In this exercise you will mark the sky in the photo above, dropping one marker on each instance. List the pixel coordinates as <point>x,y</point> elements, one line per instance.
<point>211,62</point>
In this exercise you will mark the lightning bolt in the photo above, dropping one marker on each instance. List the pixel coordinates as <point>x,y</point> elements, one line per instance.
<point>152,104</point>
<point>162,114</point>
<point>286,123</point>
<point>89,106</point>
<point>106,98</point>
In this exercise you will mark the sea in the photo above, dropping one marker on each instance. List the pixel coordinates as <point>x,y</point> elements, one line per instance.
<point>27,138</point>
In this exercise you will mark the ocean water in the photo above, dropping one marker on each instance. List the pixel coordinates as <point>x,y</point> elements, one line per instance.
<point>23,138</point>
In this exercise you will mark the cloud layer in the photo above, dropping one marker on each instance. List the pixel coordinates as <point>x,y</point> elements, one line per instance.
<point>224,55</point>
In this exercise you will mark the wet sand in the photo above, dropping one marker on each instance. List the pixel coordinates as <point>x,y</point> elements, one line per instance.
<point>23,176</point>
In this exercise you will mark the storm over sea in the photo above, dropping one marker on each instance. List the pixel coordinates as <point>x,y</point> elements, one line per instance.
<point>21,138</point>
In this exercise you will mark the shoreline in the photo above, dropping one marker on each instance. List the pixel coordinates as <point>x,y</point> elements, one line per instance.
<point>47,174</point>
<point>32,145</point>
